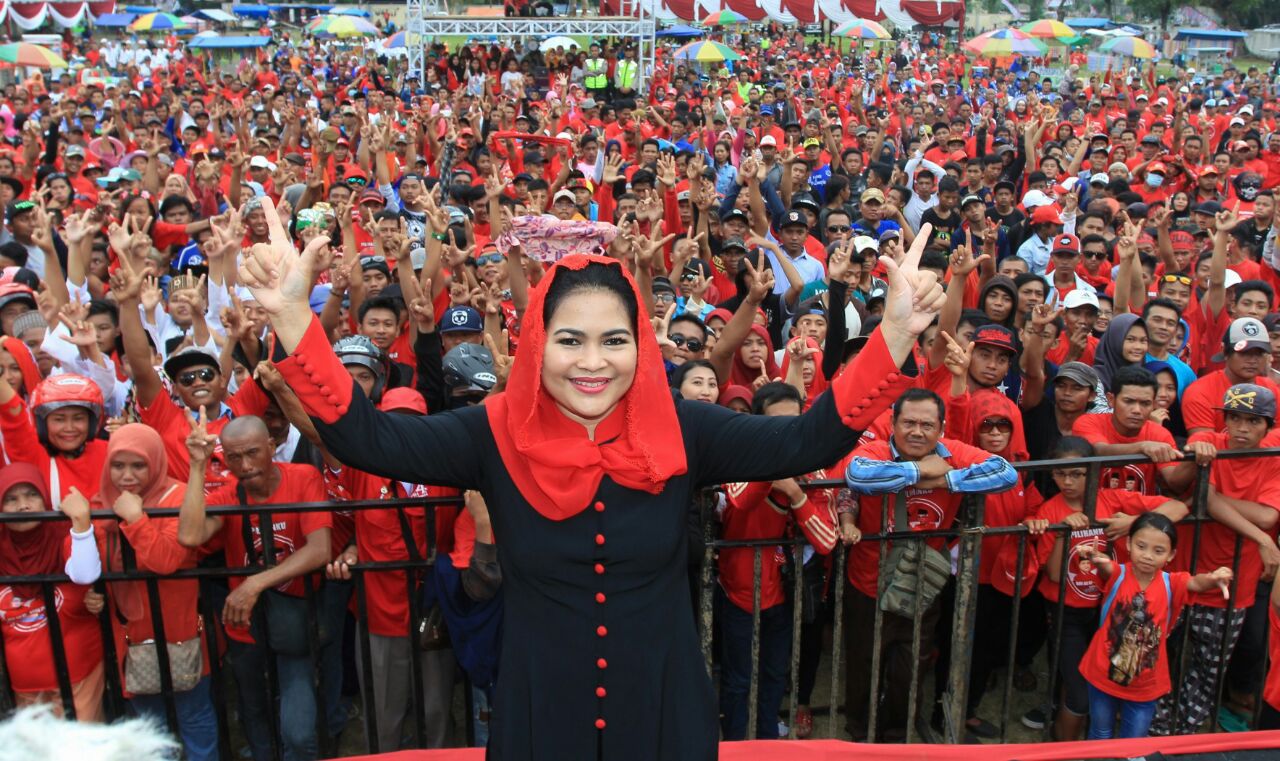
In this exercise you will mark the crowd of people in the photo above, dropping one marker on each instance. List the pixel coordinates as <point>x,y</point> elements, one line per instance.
<point>1108,249</point>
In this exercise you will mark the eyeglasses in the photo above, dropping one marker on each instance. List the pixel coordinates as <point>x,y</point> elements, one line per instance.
<point>205,374</point>
<point>694,345</point>
<point>489,259</point>
<point>1185,280</point>
<point>838,228</point>
<point>664,297</point>
<point>1000,424</point>
<point>1099,255</point>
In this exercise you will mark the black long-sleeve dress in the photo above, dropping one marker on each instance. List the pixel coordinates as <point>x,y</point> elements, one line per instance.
<point>600,657</point>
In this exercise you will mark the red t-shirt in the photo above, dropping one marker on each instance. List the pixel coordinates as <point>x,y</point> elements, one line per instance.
<point>172,423</point>
<point>28,652</point>
<point>1100,429</point>
<point>1202,400</point>
<point>1058,354</point>
<point>298,483</point>
<point>1127,658</point>
<point>1083,585</point>
<point>1006,508</point>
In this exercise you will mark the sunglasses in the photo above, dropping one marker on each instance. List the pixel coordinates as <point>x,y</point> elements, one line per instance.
<point>489,259</point>
<point>838,228</point>
<point>995,424</point>
<point>356,181</point>
<point>205,374</point>
<point>1185,280</point>
<point>1099,255</point>
<point>694,345</point>
<point>664,297</point>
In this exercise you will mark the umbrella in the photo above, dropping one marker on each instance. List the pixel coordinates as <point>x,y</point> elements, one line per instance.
<point>706,52</point>
<point>27,54</point>
<point>157,21</point>
<point>861,29</point>
<point>397,40</point>
<point>340,26</point>
<point>724,18</point>
<point>1005,42</point>
<point>1049,29</point>
<point>1134,47</point>
<point>559,41</point>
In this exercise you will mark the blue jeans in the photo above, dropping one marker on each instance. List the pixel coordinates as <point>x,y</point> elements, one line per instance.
<point>197,722</point>
<point>735,668</point>
<point>1135,717</point>
<point>297,701</point>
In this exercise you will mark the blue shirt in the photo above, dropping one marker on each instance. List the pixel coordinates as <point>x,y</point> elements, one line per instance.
<point>867,477</point>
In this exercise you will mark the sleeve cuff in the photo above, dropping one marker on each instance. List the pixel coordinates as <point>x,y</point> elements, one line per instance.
<point>860,401</point>
<point>316,375</point>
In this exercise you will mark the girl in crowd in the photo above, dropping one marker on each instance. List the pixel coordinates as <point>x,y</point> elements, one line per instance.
<point>1123,343</point>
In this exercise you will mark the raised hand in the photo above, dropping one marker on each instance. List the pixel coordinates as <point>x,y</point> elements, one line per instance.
<point>915,296</point>
<point>200,442</point>
<point>276,274</point>
<point>958,357</point>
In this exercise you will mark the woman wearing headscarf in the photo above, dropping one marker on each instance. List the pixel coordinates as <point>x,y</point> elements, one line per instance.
<point>137,474</point>
<point>802,368</point>
<point>1168,408</point>
<point>40,548</point>
<point>1124,343</point>
<point>588,464</point>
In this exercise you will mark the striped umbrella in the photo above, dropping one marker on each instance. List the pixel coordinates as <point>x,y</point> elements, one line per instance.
<point>27,54</point>
<point>157,21</point>
<point>397,40</point>
<point>1001,43</point>
<point>1134,47</point>
<point>340,26</point>
<point>861,29</point>
<point>725,18</point>
<point>1049,29</point>
<point>705,51</point>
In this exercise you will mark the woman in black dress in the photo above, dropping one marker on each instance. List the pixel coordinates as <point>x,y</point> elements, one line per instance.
<point>588,465</point>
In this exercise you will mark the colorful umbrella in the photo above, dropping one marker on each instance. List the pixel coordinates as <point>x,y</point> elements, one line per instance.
<point>27,54</point>
<point>150,22</point>
<point>712,52</point>
<point>1134,47</point>
<point>340,26</point>
<point>724,18</point>
<point>1000,43</point>
<point>1049,29</point>
<point>861,29</point>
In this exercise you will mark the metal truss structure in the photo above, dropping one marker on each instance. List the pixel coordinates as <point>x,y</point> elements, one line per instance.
<point>426,20</point>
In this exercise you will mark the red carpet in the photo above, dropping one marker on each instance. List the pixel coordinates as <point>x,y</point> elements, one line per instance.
<point>835,750</point>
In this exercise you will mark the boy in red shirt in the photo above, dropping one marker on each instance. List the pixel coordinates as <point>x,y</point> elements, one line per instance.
<point>1128,430</point>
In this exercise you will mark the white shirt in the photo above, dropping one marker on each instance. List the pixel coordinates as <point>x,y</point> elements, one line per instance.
<point>1035,252</point>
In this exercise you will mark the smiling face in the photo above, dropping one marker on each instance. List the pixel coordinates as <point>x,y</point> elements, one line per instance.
<point>700,384</point>
<point>589,361</point>
<point>200,386</point>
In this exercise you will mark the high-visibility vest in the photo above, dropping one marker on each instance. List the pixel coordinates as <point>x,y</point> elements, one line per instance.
<point>625,74</point>
<point>598,76</point>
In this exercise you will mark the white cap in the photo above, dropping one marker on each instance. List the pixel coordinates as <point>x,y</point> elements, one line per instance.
<point>1035,198</point>
<point>261,162</point>
<point>768,140</point>
<point>1236,120</point>
<point>1232,278</point>
<point>1246,109</point>
<point>683,195</point>
<point>1100,177</point>
<point>1211,103</point>
<point>1080,298</point>
<point>865,242</point>
<point>566,194</point>
<point>1162,101</point>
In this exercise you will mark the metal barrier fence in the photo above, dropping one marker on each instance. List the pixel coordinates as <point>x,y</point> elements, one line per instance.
<point>968,530</point>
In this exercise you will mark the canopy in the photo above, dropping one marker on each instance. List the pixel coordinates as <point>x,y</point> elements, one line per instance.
<point>251,11</point>
<point>348,11</point>
<point>1088,22</point>
<point>680,30</point>
<point>27,15</point>
<point>115,19</point>
<point>215,14</point>
<point>224,43</point>
<point>559,41</point>
<point>1209,34</point>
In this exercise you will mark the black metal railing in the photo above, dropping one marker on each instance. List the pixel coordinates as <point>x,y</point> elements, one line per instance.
<point>968,530</point>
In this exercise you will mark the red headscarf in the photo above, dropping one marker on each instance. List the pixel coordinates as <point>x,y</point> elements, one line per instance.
<point>991,403</point>
<point>26,362</point>
<point>34,552</point>
<point>549,457</point>
<point>742,375</point>
<point>814,388</point>
<point>143,441</point>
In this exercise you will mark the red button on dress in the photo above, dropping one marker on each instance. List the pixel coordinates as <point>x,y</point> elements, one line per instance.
<point>599,568</point>
<point>599,723</point>
<point>602,663</point>
<point>600,597</point>
<point>599,507</point>
<point>600,692</point>
<point>599,538</point>
<point>601,631</point>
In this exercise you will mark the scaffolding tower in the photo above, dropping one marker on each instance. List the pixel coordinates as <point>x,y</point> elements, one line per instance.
<point>428,19</point>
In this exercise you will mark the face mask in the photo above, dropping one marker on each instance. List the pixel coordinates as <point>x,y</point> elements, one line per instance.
<point>1154,180</point>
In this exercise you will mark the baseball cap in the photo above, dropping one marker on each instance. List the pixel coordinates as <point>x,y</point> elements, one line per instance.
<point>662,283</point>
<point>261,162</point>
<point>793,218</point>
<point>1066,242</point>
<point>565,194</point>
<point>1250,399</point>
<point>733,243</point>
<point>461,319</point>
<point>1045,215</point>
<point>996,336</point>
<point>812,142</point>
<point>768,140</point>
<point>1207,207</point>
<point>403,399</point>
<point>1099,178</point>
<point>1245,334</point>
<point>873,194</point>
<point>735,214</point>
<point>863,243</point>
<point>1078,372</point>
<point>971,199</point>
<point>191,356</point>
<point>1080,298</point>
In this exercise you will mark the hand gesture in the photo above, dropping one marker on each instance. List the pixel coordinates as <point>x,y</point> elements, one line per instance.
<point>963,261</point>
<point>76,228</point>
<point>1226,220</point>
<point>915,296</point>
<point>762,282</point>
<point>502,359</point>
<point>269,377</point>
<point>838,263</point>
<point>1042,316</point>
<point>125,282</point>
<point>764,376</point>
<point>1222,576</point>
<point>277,275</point>
<point>150,295</point>
<point>200,443</point>
<point>661,331</point>
<point>958,357</point>
<point>799,350</point>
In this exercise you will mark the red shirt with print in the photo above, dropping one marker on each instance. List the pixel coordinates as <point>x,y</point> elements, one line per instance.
<point>1100,429</point>
<point>1202,400</point>
<point>173,424</point>
<point>1127,658</point>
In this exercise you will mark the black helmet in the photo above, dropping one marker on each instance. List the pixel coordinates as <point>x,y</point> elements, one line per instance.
<point>469,367</point>
<point>359,350</point>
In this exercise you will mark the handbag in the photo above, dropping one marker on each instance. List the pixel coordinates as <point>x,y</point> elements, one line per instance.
<point>284,615</point>
<point>917,572</point>
<point>142,664</point>
<point>429,628</point>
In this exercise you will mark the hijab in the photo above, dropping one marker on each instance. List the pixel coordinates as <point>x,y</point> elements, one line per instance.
<point>742,375</point>
<point>1005,283</point>
<point>553,463</point>
<point>34,552</point>
<point>26,362</point>
<point>814,388</point>
<point>143,441</point>
<point>1109,356</point>
<point>991,403</point>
